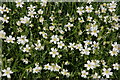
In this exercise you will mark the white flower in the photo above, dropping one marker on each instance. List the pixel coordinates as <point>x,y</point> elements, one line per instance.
<point>52,67</point>
<point>116,66</point>
<point>25,61</point>
<point>87,42</point>
<point>80,10</point>
<point>103,62</point>
<point>89,8</point>
<point>112,6</point>
<point>55,39</point>
<point>95,62</point>
<point>10,39</point>
<point>40,11</point>
<point>81,20</point>
<point>54,52</point>
<point>79,46</point>
<point>44,1</point>
<point>59,11</point>
<point>52,17</point>
<point>31,8</point>
<point>103,9</point>
<point>7,10</point>
<point>51,28</point>
<point>65,72</point>
<point>55,67</point>
<point>18,23</point>
<point>71,46</point>
<point>89,18</point>
<point>41,19</point>
<point>37,69</point>
<point>89,1</point>
<point>116,26</point>
<point>69,25</point>
<point>86,51</point>
<point>94,32</point>
<point>2,9</point>
<point>95,44</point>
<point>31,13</point>
<point>115,46</point>
<point>115,18</point>
<point>97,12</point>
<point>106,72</point>
<point>22,39</point>
<point>25,20</point>
<point>43,34</point>
<point>47,66</point>
<point>89,65</point>
<point>7,72</point>
<point>2,34</point>
<point>72,19</point>
<point>61,31</point>
<point>66,63</point>
<point>4,19</point>
<point>60,44</point>
<point>39,46</point>
<point>26,49</point>
<point>19,3</point>
<point>113,52</point>
<point>84,74</point>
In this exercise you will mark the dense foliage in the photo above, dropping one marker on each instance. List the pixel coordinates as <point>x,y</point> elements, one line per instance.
<point>60,40</point>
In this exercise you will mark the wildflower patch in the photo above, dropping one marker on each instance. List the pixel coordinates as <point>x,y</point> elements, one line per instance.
<point>60,40</point>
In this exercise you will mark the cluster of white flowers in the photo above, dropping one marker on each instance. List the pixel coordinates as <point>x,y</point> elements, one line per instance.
<point>112,6</point>
<point>116,66</point>
<point>31,12</point>
<point>22,39</point>
<point>58,40</point>
<point>96,63</point>
<point>87,9</point>
<point>25,20</point>
<point>115,49</point>
<point>52,67</point>
<point>4,9</point>
<point>84,49</point>
<point>91,65</point>
<point>56,67</point>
